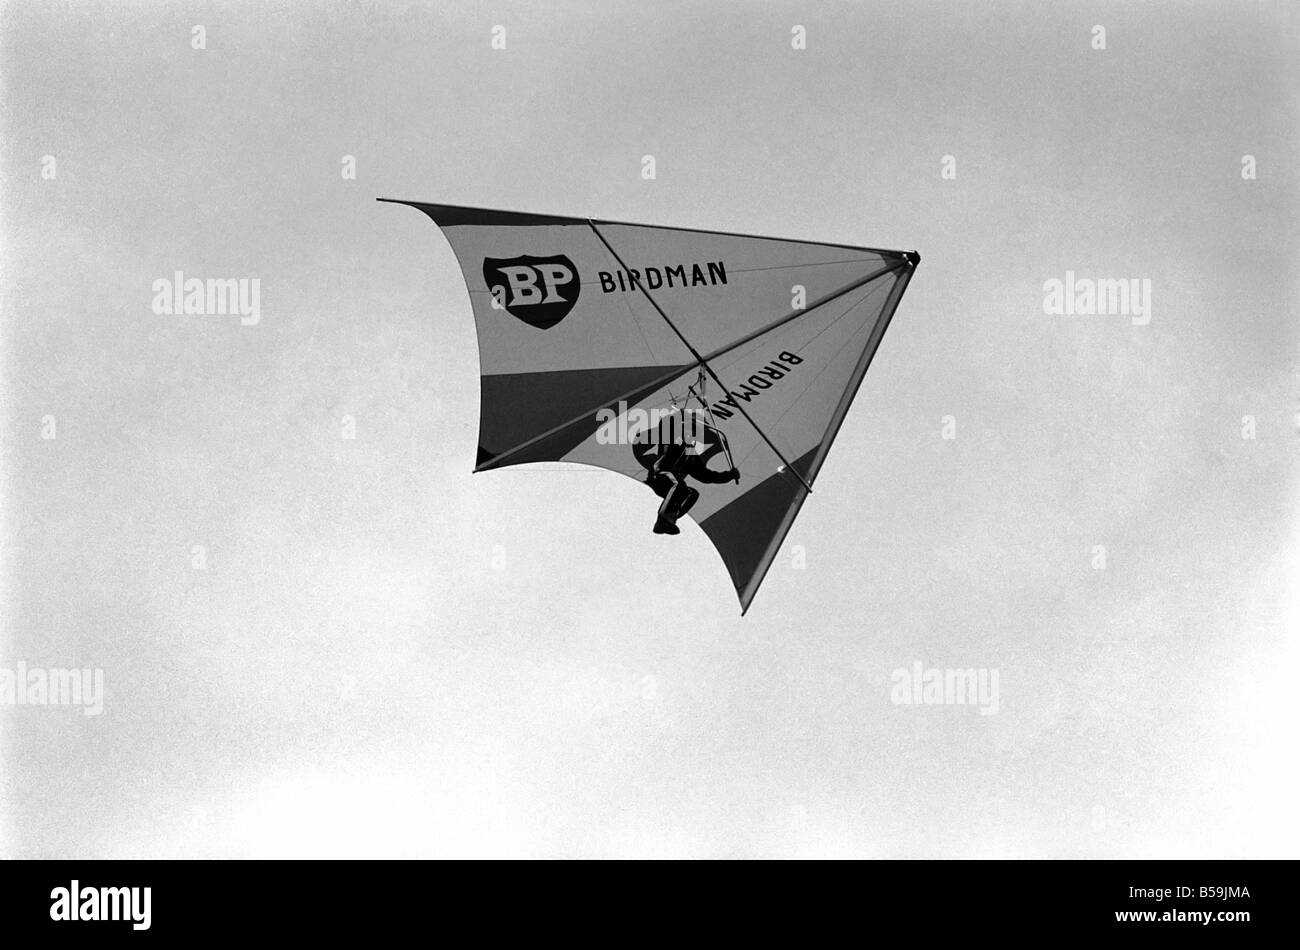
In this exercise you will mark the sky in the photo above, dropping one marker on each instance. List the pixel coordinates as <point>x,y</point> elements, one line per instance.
<point>314,645</point>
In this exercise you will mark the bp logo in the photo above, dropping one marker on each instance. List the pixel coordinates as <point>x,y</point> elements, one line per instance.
<point>538,290</point>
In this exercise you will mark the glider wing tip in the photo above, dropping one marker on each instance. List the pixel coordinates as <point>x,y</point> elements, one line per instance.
<point>401,201</point>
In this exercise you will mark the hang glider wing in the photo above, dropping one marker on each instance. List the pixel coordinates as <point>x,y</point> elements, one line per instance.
<point>590,330</point>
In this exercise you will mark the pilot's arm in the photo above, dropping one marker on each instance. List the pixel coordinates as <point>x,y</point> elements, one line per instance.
<point>711,440</point>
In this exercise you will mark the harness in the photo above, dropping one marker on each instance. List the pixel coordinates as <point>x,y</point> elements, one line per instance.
<point>697,391</point>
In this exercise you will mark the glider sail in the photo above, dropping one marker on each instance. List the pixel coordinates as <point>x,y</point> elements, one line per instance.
<point>589,331</point>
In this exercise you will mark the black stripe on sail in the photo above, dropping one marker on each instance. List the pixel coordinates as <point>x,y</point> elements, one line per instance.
<point>743,530</point>
<point>519,407</point>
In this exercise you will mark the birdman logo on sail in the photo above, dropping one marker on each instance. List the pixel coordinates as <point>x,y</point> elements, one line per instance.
<point>758,381</point>
<point>706,274</point>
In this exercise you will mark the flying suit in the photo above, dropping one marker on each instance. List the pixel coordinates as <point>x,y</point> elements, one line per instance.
<point>670,456</point>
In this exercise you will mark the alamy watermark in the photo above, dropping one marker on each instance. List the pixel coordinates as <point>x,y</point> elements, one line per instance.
<point>216,296</point>
<point>40,686</point>
<point>623,426</point>
<point>933,686</point>
<point>1101,296</point>
<point>80,902</point>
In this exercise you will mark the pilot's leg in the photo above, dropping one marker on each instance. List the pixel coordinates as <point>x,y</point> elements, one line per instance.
<point>666,523</point>
<point>661,484</point>
<point>683,499</point>
<point>676,504</point>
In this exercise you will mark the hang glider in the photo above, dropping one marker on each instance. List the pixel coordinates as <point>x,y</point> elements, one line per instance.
<point>590,332</point>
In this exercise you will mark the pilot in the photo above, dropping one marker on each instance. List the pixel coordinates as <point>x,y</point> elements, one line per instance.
<point>677,449</point>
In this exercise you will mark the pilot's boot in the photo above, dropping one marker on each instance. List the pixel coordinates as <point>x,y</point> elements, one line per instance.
<point>664,526</point>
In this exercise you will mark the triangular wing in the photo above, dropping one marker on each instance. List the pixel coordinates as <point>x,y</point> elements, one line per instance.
<point>587,329</point>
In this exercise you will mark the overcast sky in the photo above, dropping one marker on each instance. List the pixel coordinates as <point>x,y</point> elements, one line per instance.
<point>386,655</point>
